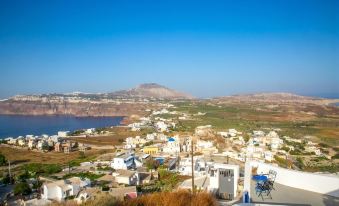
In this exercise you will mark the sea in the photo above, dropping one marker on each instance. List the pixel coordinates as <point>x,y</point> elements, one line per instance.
<point>21,125</point>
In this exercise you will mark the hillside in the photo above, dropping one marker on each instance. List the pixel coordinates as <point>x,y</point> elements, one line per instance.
<point>276,98</point>
<point>121,103</point>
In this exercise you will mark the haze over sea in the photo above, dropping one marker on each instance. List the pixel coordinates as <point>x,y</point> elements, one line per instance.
<point>20,125</point>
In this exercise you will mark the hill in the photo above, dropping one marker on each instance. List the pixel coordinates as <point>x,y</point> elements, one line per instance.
<point>279,97</point>
<point>151,90</point>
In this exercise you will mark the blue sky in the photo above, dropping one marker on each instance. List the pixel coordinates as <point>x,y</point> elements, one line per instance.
<point>206,48</point>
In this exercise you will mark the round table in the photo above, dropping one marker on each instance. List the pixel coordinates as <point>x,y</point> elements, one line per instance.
<point>260,178</point>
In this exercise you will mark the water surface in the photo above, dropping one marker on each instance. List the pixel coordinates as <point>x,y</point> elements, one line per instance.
<point>16,125</point>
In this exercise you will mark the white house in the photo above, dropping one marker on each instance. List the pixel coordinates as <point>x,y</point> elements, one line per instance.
<point>61,189</point>
<point>126,177</point>
<point>32,143</point>
<point>185,166</point>
<point>276,143</point>
<point>124,161</point>
<point>90,131</point>
<point>268,155</point>
<point>172,146</point>
<point>63,133</point>
<point>11,140</point>
<point>21,142</point>
<point>161,126</point>
<point>151,137</point>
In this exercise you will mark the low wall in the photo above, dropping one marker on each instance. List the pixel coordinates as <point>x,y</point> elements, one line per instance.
<point>319,183</point>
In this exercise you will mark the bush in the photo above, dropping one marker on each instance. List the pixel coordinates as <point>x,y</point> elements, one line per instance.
<point>24,176</point>
<point>336,156</point>
<point>177,198</point>
<point>103,200</point>
<point>6,179</point>
<point>22,189</point>
<point>88,175</point>
<point>47,169</point>
<point>152,164</point>
<point>3,160</point>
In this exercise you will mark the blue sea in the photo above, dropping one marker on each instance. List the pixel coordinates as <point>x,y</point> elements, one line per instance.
<point>16,125</point>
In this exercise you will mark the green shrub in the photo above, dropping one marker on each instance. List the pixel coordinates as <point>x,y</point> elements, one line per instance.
<point>46,169</point>
<point>3,160</point>
<point>22,188</point>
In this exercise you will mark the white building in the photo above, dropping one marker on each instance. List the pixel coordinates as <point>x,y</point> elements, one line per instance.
<point>268,155</point>
<point>90,131</point>
<point>206,147</point>
<point>185,166</point>
<point>21,142</point>
<point>161,126</point>
<point>151,137</point>
<point>63,133</point>
<point>126,177</point>
<point>172,146</point>
<point>32,143</point>
<point>61,189</point>
<point>124,161</point>
<point>11,140</point>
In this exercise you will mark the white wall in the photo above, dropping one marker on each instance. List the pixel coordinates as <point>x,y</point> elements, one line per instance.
<point>53,193</point>
<point>302,180</point>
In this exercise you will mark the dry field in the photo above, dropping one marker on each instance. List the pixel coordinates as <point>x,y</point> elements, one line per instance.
<point>22,155</point>
<point>117,136</point>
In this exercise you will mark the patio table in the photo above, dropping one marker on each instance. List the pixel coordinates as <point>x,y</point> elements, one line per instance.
<point>259,178</point>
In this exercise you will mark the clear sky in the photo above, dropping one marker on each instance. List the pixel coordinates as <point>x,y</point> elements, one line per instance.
<point>206,48</point>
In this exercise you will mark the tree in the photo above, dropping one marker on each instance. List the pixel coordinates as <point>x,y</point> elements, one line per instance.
<point>3,160</point>
<point>23,176</point>
<point>6,179</point>
<point>22,188</point>
<point>45,147</point>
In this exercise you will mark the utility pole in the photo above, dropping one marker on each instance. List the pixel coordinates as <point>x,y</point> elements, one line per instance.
<point>9,171</point>
<point>193,187</point>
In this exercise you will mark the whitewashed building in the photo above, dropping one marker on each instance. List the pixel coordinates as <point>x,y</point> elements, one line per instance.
<point>172,146</point>
<point>61,189</point>
<point>124,161</point>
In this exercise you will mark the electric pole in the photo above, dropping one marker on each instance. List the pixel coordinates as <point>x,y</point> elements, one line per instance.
<point>193,187</point>
<point>9,172</point>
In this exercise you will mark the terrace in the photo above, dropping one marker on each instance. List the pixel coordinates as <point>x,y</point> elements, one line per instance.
<point>293,187</point>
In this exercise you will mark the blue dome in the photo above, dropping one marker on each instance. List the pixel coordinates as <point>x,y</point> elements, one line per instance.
<point>171,140</point>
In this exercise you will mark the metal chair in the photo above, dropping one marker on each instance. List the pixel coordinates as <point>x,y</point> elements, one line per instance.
<point>263,188</point>
<point>271,178</point>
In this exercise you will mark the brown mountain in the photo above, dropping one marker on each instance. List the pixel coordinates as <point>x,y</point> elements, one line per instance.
<point>152,90</point>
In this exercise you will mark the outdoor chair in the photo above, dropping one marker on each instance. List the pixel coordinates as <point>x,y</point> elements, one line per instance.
<point>271,178</point>
<point>262,189</point>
